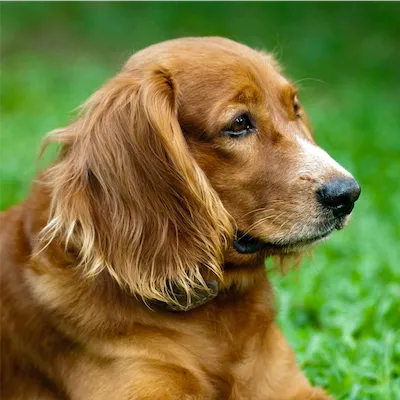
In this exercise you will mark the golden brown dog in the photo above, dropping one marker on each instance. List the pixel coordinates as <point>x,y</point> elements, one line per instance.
<point>135,269</point>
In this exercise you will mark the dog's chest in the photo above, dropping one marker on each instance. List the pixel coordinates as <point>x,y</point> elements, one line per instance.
<point>219,347</point>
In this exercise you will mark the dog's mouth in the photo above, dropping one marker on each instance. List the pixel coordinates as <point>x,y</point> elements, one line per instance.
<point>247,244</point>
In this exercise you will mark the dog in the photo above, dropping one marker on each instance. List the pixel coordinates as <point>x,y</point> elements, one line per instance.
<point>135,268</point>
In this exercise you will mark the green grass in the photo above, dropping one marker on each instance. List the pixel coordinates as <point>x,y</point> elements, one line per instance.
<point>341,311</point>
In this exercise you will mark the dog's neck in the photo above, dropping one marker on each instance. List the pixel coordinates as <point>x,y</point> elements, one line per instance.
<point>236,282</point>
<point>183,302</point>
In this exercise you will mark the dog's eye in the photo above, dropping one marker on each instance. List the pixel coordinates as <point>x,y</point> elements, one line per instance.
<point>297,107</point>
<point>240,126</point>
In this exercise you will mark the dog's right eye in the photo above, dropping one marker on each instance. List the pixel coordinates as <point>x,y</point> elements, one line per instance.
<point>240,126</point>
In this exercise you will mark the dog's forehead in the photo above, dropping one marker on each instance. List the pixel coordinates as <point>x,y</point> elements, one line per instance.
<point>229,66</point>
<point>211,61</point>
<point>245,77</point>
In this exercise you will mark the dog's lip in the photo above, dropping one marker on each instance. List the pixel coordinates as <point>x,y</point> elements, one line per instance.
<point>247,244</point>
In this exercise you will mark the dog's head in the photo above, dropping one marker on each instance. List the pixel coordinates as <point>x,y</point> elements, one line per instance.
<point>197,154</point>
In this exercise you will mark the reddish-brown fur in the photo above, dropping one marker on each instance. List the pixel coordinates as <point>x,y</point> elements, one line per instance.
<point>147,192</point>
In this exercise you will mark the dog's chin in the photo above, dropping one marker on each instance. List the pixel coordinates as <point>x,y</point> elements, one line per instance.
<point>247,244</point>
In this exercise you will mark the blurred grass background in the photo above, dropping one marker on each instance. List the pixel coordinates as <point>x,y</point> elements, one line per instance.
<point>341,311</point>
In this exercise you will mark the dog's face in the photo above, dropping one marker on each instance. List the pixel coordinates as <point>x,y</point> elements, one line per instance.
<point>198,153</point>
<point>249,133</point>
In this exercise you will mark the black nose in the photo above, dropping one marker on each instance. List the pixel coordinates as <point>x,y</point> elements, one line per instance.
<point>339,195</point>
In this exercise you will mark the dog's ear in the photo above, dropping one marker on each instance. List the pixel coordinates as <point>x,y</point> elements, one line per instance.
<point>128,196</point>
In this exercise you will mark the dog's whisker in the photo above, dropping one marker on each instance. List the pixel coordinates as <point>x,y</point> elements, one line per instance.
<point>259,222</point>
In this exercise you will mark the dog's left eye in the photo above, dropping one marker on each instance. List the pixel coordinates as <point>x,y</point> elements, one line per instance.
<point>240,126</point>
<point>297,107</point>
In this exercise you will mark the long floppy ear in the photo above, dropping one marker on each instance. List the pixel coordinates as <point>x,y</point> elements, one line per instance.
<point>128,196</point>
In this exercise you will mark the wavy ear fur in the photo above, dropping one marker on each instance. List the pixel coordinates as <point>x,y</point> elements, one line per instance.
<point>128,197</point>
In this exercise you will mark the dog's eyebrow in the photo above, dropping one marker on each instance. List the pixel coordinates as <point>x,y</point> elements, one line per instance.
<point>247,94</point>
<point>288,93</point>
